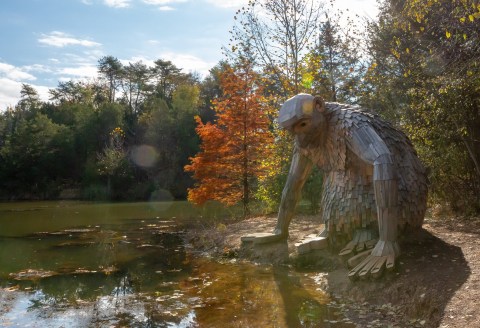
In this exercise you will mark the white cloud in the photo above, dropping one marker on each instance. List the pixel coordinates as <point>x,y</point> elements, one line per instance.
<point>93,55</point>
<point>10,92</point>
<point>228,3</point>
<point>14,73</point>
<point>117,3</point>
<point>162,2</point>
<point>11,77</point>
<point>188,63</point>
<point>43,91</point>
<point>80,72</point>
<point>60,39</point>
<point>135,59</point>
<point>37,68</point>
<point>87,2</point>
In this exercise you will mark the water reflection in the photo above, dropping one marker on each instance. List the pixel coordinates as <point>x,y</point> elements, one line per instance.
<point>137,273</point>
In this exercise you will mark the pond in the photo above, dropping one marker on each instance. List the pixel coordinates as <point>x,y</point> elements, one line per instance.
<point>74,264</point>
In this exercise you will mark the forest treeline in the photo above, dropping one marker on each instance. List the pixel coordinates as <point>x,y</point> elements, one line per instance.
<point>124,136</point>
<point>140,132</point>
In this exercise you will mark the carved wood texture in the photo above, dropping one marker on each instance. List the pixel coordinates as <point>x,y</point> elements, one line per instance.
<point>348,199</point>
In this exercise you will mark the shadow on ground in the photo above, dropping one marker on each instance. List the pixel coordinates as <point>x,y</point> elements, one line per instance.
<point>428,274</point>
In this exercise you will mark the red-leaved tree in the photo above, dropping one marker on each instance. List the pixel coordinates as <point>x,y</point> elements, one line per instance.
<point>232,148</point>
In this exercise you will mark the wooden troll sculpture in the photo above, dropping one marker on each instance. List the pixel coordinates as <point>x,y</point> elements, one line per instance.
<point>373,179</point>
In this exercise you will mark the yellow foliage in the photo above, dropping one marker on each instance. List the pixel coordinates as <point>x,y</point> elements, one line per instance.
<point>395,53</point>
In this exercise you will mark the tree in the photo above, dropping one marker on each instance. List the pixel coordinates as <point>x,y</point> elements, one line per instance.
<point>157,126</point>
<point>92,129</point>
<point>135,86</point>
<point>425,67</point>
<point>333,68</point>
<point>185,99</point>
<point>169,135</point>
<point>275,35</point>
<point>156,109</point>
<point>167,76</point>
<point>35,158</point>
<point>29,99</point>
<point>112,161</point>
<point>185,105</point>
<point>229,162</point>
<point>209,91</point>
<point>278,37</point>
<point>110,68</point>
<point>72,92</point>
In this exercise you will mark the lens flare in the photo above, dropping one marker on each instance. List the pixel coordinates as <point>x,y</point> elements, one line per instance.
<point>144,156</point>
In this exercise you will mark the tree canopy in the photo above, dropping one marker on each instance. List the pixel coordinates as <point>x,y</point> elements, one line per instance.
<point>424,74</point>
<point>72,140</point>
<point>229,162</point>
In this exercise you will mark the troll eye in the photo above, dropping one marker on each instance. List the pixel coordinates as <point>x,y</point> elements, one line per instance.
<point>303,124</point>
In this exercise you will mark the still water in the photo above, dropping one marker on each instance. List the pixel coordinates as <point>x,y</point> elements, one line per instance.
<point>73,264</point>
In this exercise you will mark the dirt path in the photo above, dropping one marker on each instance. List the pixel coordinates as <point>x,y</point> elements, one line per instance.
<point>461,266</point>
<point>436,283</point>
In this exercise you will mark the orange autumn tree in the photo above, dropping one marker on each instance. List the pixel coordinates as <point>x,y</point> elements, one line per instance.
<point>232,148</point>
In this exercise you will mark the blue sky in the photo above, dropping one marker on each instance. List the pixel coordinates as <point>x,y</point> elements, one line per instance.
<point>47,41</point>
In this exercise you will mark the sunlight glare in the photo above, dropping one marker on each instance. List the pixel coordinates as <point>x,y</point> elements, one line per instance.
<point>144,155</point>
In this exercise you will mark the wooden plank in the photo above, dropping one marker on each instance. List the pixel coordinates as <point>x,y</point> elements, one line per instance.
<point>378,267</point>
<point>357,259</point>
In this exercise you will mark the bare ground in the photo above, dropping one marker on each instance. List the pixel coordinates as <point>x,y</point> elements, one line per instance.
<point>436,282</point>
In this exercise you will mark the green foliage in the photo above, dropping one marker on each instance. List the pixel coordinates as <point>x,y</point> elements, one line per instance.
<point>159,133</point>
<point>312,190</point>
<point>30,100</point>
<point>35,154</point>
<point>110,69</point>
<point>210,90</point>
<point>270,191</point>
<point>185,99</point>
<point>271,186</point>
<point>333,68</point>
<point>425,74</point>
<point>65,143</point>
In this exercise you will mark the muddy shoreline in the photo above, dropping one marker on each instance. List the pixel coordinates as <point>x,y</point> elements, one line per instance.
<point>436,282</point>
